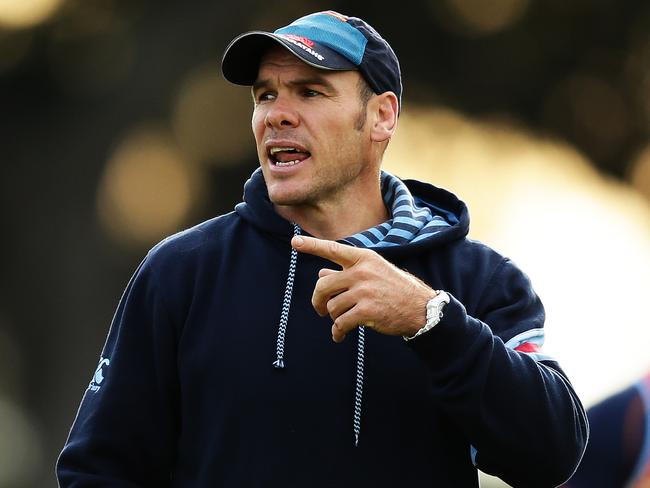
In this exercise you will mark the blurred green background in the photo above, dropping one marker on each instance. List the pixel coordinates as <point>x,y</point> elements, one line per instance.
<point>117,129</point>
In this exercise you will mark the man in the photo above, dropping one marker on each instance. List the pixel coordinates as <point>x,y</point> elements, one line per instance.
<point>219,369</point>
<point>618,453</point>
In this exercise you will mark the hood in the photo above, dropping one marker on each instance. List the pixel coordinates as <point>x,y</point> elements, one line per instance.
<point>258,210</point>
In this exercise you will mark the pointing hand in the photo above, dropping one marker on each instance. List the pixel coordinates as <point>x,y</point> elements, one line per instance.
<point>369,291</point>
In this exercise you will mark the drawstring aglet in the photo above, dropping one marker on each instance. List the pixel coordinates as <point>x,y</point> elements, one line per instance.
<point>278,364</point>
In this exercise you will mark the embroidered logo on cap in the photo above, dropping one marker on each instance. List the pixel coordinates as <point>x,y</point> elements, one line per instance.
<point>298,41</point>
<point>304,40</point>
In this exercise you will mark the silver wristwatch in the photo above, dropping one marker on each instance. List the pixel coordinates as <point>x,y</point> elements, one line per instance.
<point>434,313</point>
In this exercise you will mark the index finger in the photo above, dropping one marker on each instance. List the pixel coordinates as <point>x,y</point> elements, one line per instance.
<point>346,256</point>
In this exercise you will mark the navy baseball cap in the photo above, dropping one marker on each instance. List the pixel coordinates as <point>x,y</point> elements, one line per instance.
<point>326,40</point>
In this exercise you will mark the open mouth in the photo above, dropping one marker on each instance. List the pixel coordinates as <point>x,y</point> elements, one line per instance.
<point>287,156</point>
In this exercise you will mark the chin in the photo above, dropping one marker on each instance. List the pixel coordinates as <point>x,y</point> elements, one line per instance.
<point>287,200</point>
<point>286,196</point>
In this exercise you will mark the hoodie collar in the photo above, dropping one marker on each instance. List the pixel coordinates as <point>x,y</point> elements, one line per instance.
<point>444,207</point>
<point>410,220</point>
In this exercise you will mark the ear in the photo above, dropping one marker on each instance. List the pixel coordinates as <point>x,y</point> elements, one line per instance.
<point>384,120</point>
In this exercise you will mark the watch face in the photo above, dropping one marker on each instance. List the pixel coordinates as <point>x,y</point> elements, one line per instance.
<point>440,301</point>
<point>440,307</point>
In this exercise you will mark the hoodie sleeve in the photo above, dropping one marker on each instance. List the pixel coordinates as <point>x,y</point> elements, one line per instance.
<point>124,433</point>
<point>516,407</point>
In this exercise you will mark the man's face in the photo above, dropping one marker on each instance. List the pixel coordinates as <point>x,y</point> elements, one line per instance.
<point>306,126</point>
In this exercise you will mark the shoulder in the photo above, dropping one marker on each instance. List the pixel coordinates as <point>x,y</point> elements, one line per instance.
<point>195,240</point>
<point>486,261</point>
<point>474,260</point>
<point>499,272</point>
<point>172,268</point>
<point>180,256</point>
<point>486,280</point>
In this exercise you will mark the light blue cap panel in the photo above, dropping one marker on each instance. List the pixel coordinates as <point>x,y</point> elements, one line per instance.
<point>331,32</point>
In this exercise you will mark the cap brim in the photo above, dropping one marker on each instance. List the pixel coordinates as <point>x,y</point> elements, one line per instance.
<point>241,60</point>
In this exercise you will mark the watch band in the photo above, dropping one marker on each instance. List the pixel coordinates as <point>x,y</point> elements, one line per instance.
<point>435,307</point>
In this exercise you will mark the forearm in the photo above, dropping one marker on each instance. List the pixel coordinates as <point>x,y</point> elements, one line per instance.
<point>522,416</point>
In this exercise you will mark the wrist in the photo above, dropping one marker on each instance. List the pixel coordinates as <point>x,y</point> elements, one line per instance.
<point>418,313</point>
<point>433,312</point>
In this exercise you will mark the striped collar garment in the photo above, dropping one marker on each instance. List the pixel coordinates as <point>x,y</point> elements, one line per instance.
<point>411,221</point>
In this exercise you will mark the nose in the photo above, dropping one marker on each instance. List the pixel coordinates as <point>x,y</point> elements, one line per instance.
<point>281,114</point>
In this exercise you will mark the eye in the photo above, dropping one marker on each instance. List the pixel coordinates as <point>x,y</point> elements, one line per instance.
<point>264,96</point>
<point>309,93</point>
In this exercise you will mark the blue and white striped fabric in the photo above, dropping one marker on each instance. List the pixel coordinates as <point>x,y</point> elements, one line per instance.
<point>409,222</point>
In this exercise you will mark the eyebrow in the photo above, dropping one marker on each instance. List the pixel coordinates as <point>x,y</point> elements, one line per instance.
<point>312,80</point>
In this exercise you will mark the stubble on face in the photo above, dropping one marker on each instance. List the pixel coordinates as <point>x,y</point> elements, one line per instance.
<point>340,157</point>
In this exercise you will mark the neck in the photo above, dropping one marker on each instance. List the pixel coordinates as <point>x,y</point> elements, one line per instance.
<point>339,218</point>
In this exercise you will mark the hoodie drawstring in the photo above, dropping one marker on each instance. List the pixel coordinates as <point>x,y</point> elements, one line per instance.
<point>286,304</point>
<point>282,331</point>
<point>358,390</point>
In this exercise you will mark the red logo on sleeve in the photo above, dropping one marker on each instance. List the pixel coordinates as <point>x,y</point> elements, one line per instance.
<point>528,347</point>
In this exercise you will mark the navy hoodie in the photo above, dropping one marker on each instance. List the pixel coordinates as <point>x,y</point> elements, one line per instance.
<point>186,395</point>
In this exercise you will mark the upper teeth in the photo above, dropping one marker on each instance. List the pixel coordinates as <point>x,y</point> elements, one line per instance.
<point>278,149</point>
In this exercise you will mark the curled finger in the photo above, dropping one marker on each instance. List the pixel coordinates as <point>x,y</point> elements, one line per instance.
<point>346,322</point>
